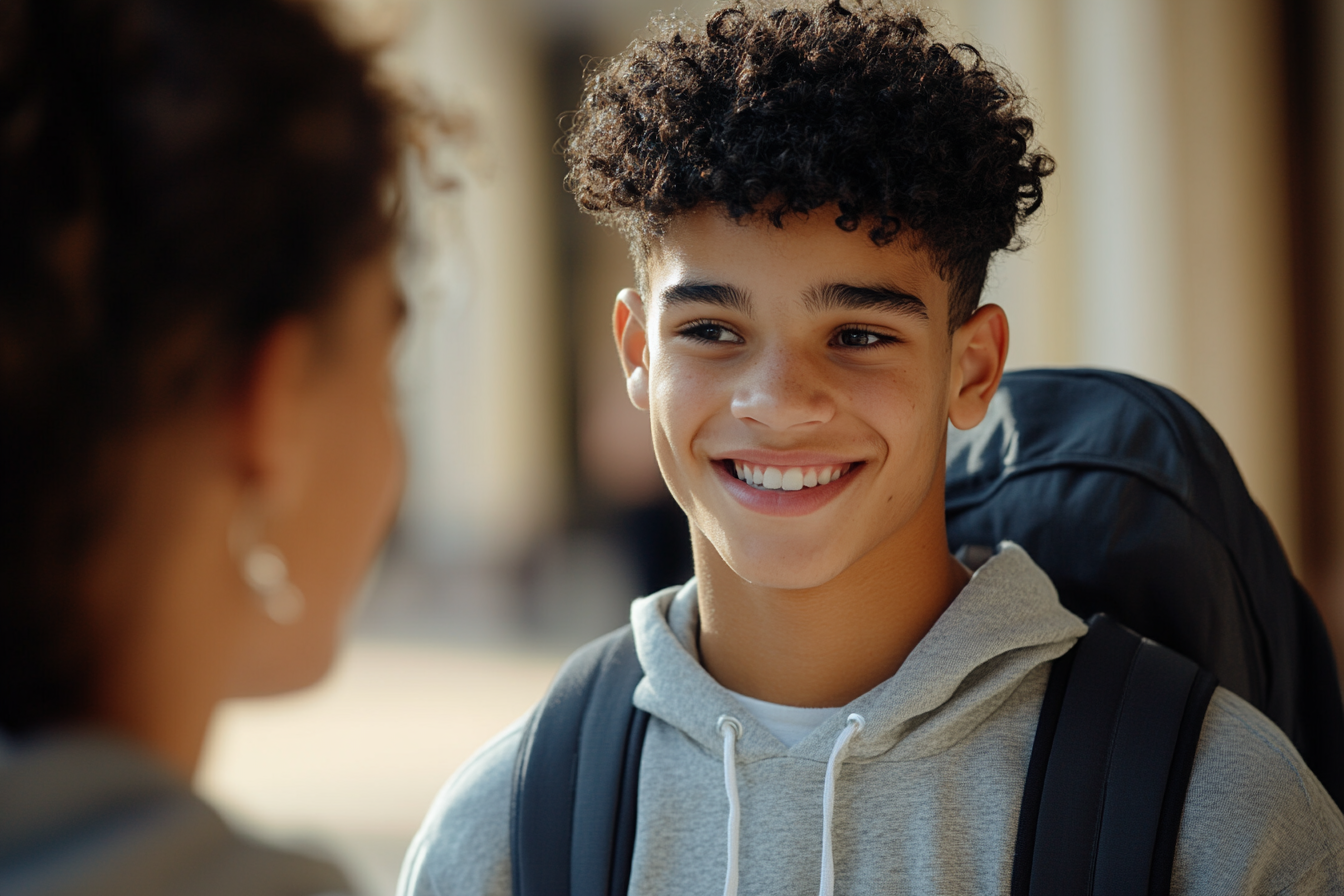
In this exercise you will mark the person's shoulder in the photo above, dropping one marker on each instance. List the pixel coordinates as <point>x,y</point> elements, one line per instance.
<point>1256,820</point>
<point>89,812</point>
<point>463,845</point>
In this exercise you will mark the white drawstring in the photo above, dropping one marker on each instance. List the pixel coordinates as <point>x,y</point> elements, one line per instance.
<point>828,801</point>
<point>731,729</point>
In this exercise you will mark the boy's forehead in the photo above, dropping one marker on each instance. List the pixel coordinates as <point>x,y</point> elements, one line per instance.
<point>706,246</point>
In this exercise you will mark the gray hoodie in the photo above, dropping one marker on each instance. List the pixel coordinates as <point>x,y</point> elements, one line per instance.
<point>924,795</point>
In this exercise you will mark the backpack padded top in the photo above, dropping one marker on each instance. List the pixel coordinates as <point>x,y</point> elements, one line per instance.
<point>1128,499</point>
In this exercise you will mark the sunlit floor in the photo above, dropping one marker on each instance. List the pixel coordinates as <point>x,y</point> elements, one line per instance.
<point>349,767</point>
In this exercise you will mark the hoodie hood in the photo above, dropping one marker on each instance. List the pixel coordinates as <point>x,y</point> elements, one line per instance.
<point>1006,622</point>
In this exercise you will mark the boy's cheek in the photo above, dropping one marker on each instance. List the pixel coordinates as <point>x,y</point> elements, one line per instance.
<point>683,395</point>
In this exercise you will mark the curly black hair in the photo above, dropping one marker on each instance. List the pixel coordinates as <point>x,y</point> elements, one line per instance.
<point>780,111</point>
<point>176,176</point>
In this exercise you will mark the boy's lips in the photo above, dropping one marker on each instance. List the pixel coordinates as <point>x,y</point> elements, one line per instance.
<point>787,487</point>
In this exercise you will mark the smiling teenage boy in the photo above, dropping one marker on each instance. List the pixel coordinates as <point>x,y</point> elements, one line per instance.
<point>812,197</point>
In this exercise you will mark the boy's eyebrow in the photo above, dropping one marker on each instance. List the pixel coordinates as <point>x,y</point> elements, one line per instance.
<point>707,293</point>
<point>834,296</point>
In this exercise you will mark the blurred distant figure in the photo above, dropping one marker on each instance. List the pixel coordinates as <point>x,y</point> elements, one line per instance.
<point>197,456</point>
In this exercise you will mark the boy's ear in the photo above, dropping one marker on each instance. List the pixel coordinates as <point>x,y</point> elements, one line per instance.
<point>979,351</point>
<point>632,342</point>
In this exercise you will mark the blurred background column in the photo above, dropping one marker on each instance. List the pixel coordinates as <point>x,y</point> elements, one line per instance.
<point>1313,41</point>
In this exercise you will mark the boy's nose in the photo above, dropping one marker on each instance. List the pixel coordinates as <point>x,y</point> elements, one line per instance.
<point>781,392</point>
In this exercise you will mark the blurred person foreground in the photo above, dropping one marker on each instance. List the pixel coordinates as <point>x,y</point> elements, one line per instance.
<point>198,308</point>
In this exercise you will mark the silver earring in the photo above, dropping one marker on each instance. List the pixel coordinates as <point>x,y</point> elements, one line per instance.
<point>264,569</point>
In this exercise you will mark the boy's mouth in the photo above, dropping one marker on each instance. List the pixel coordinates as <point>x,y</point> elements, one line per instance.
<point>788,479</point>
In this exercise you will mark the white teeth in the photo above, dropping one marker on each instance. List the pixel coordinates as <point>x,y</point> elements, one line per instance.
<point>789,479</point>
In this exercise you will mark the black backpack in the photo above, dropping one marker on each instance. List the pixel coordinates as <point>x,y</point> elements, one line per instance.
<point>1128,499</point>
<point>1124,494</point>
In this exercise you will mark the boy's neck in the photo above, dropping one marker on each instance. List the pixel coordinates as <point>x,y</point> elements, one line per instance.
<point>827,645</point>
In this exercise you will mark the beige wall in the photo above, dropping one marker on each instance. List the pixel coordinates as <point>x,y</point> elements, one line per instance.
<point>1238,362</point>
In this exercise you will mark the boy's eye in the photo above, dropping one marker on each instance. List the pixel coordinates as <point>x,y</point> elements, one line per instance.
<point>854,338</point>
<point>708,331</point>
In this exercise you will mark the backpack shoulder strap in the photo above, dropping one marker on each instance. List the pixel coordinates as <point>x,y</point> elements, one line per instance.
<point>1109,767</point>
<point>575,780</point>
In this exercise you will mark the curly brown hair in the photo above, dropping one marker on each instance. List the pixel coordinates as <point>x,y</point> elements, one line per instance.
<point>780,111</point>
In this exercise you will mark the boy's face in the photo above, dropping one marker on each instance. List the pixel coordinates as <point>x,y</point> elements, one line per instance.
<point>799,383</point>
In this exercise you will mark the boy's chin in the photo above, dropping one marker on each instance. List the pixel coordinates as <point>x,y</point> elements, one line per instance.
<point>785,570</point>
